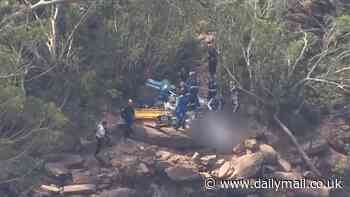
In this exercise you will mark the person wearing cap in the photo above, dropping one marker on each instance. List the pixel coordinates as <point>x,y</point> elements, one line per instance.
<point>128,114</point>
<point>100,135</point>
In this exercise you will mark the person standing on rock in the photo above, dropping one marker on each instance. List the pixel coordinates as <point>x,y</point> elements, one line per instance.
<point>128,114</point>
<point>212,89</point>
<point>100,136</point>
<point>181,109</point>
<point>212,60</point>
<point>192,91</point>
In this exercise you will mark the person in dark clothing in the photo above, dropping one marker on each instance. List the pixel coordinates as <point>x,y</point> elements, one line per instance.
<point>212,60</point>
<point>234,91</point>
<point>183,74</point>
<point>216,103</point>
<point>212,89</point>
<point>180,110</point>
<point>128,114</point>
<point>100,136</point>
<point>192,85</point>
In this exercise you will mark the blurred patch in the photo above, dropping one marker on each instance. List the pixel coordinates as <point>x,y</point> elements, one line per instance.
<point>220,131</point>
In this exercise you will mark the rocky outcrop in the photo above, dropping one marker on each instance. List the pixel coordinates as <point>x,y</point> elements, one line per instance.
<point>248,165</point>
<point>164,137</point>
<point>160,171</point>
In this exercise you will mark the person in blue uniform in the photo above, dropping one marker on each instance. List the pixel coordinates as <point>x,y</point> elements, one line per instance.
<point>128,114</point>
<point>181,109</point>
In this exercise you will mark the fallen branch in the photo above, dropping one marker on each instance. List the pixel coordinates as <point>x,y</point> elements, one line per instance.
<point>297,145</point>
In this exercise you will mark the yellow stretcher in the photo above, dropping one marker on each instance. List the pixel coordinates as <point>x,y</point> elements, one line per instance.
<point>150,113</point>
<point>159,116</point>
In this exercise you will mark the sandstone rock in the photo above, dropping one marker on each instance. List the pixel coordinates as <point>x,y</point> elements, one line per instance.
<point>181,173</point>
<point>163,155</point>
<point>251,144</point>
<point>248,165</point>
<point>225,170</point>
<point>120,192</point>
<point>269,153</point>
<point>284,165</point>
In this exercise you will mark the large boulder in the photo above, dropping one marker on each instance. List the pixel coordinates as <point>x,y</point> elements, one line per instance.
<point>225,170</point>
<point>269,154</point>
<point>247,166</point>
